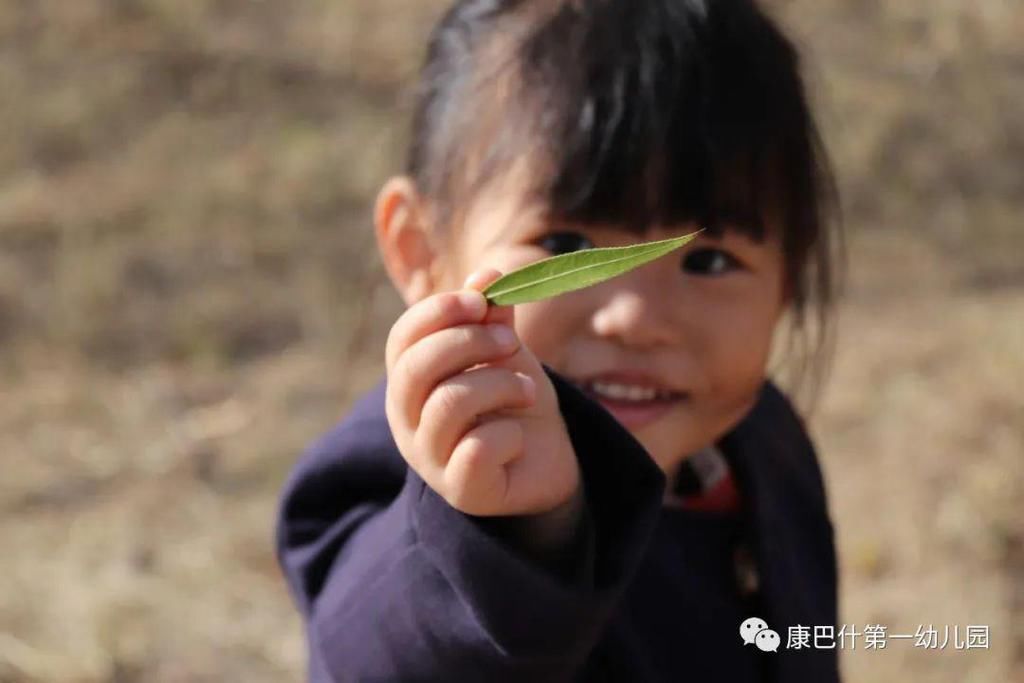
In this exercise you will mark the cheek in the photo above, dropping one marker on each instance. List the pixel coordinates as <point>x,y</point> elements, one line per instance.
<point>739,341</point>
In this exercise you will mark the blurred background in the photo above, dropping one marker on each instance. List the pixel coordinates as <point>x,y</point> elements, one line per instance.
<point>190,292</point>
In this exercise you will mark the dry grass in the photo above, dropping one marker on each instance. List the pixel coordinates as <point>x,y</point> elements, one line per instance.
<point>186,299</point>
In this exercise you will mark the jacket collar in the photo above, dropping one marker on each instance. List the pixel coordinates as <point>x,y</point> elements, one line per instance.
<point>792,537</point>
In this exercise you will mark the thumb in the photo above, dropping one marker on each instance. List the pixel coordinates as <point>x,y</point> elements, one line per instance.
<point>479,281</point>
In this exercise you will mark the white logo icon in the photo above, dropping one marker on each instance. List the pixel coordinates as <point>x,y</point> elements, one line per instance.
<point>767,640</point>
<point>750,628</point>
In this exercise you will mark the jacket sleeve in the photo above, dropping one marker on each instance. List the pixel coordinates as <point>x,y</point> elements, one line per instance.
<point>396,585</point>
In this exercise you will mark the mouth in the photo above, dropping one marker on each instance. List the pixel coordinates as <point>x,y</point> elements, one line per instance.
<point>634,401</point>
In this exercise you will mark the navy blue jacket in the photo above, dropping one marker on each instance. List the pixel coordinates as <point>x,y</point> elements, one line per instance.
<point>396,585</point>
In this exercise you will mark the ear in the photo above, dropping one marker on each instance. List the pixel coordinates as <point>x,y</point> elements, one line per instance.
<point>404,239</point>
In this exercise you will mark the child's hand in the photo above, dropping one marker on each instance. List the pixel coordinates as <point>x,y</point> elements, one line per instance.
<point>475,415</point>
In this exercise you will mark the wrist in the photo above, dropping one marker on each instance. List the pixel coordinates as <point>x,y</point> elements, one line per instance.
<point>548,538</point>
<point>555,528</point>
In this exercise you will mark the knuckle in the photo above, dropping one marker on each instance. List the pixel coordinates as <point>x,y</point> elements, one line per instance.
<point>408,370</point>
<point>449,398</point>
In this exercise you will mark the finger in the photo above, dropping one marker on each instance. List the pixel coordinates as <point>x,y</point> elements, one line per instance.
<point>430,315</point>
<point>457,405</point>
<point>480,280</point>
<point>476,477</point>
<point>522,361</point>
<point>441,355</point>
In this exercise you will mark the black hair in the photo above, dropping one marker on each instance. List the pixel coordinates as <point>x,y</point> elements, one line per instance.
<point>633,112</point>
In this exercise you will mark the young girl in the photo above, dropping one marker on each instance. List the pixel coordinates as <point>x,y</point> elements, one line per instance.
<point>602,486</point>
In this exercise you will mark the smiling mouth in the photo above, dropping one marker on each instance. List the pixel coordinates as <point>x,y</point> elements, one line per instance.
<point>625,394</point>
<point>634,406</point>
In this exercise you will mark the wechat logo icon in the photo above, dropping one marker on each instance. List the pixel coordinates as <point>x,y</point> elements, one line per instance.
<point>755,631</point>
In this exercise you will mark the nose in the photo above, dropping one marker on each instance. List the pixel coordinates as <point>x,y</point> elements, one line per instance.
<point>639,309</point>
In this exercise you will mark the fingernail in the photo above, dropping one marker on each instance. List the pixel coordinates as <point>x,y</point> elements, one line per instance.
<point>504,335</point>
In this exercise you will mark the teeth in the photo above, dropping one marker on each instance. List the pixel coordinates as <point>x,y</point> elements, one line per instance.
<point>625,392</point>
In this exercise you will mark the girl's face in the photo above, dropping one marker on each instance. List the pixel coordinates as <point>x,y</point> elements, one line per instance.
<point>694,326</point>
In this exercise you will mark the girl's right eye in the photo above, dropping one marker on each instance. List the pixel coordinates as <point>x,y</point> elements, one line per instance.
<point>564,242</point>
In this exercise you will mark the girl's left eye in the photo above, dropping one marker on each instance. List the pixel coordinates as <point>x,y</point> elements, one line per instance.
<point>564,242</point>
<point>708,262</point>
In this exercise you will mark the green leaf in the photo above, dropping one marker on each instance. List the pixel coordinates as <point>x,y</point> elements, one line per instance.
<point>576,270</point>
